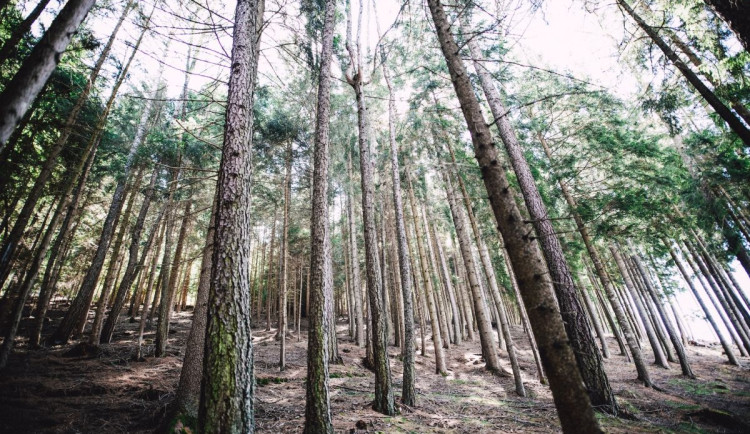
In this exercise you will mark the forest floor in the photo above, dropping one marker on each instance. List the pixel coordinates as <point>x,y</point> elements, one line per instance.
<point>57,390</point>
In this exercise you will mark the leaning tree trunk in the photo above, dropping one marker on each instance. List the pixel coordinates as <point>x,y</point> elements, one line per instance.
<point>660,358</point>
<point>134,264</point>
<point>480,306</point>
<point>576,323</point>
<point>709,316</point>
<point>572,401</point>
<point>318,417</point>
<point>36,69</point>
<point>227,391</point>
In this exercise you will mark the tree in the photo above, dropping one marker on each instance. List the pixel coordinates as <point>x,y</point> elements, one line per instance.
<point>227,390</point>
<point>317,403</point>
<point>571,400</point>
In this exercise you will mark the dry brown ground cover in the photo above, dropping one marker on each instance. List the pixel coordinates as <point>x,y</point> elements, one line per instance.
<point>63,391</point>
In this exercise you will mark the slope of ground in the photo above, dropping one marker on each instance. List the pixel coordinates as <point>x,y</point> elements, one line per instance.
<point>62,391</point>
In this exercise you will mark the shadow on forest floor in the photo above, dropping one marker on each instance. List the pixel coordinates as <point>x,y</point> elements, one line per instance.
<point>43,391</point>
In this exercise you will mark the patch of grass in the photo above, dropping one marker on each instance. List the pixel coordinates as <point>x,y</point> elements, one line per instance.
<point>700,388</point>
<point>688,427</point>
<point>682,405</point>
<point>345,375</point>
<point>264,381</point>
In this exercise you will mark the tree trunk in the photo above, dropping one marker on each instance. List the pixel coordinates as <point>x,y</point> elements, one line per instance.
<point>573,405</point>
<point>318,417</point>
<point>9,46</point>
<point>709,317</point>
<point>116,259</point>
<point>285,259</point>
<point>161,229</point>
<point>480,305</point>
<point>227,392</point>
<point>10,243</point>
<point>440,366</point>
<point>354,259</point>
<point>37,68</point>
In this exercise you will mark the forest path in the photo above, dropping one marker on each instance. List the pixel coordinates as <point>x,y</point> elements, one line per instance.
<point>47,391</point>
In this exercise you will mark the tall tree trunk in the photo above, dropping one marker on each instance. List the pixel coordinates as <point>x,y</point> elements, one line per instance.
<point>115,261</point>
<point>167,302</point>
<point>79,306</point>
<point>227,391</point>
<point>270,274</point>
<point>354,258</point>
<point>285,259</point>
<point>735,124</point>
<point>572,401</point>
<point>383,388</point>
<point>37,68</point>
<point>317,403</point>
<point>440,366</point>
<point>709,317</point>
<point>576,323</point>
<point>161,229</point>
<point>480,305</point>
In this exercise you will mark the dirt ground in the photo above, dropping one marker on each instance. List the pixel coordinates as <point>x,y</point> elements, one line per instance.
<point>50,391</point>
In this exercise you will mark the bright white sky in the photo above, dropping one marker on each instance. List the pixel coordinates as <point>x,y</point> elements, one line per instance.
<point>562,36</point>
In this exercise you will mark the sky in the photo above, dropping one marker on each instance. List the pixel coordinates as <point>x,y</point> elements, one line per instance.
<point>561,36</point>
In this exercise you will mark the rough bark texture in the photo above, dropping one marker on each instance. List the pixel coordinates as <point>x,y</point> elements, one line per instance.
<point>318,417</point>
<point>227,391</point>
<point>571,399</point>
<point>22,29</point>
<point>36,69</point>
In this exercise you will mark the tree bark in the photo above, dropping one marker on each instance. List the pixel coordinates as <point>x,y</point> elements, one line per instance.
<point>20,31</point>
<point>285,259</point>
<point>318,417</point>
<point>227,391</point>
<point>189,387</point>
